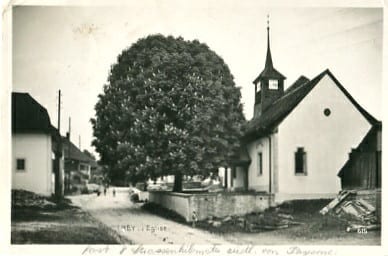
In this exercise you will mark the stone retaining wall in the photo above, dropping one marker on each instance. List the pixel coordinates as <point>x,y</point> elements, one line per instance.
<point>211,204</point>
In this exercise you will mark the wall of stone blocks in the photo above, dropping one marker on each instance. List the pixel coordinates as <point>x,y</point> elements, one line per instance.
<point>177,202</point>
<point>206,205</point>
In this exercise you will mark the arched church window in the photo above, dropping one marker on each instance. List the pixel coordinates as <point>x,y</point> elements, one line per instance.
<point>300,162</point>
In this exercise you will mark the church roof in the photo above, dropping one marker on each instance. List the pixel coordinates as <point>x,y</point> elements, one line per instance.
<point>241,158</point>
<point>282,107</point>
<point>269,73</point>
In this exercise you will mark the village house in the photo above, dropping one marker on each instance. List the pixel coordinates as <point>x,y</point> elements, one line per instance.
<point>35,147</point>
<point>78,166</point>
<point>299,139</point>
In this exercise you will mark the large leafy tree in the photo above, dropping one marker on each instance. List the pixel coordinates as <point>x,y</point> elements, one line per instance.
<point>170,107</point>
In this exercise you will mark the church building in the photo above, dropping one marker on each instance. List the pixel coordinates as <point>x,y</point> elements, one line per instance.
<point>299,138</point>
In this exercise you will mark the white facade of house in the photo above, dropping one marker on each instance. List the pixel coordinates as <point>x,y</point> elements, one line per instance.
<point>238,179</point>
<point>326,140</point>
<point>257,180</point>
<point>36,150</point>
<point>85,168</point>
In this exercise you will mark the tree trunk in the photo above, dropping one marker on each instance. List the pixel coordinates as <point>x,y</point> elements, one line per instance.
<point>58,176</point>
<point>58,181</point>
<point>177,182</point>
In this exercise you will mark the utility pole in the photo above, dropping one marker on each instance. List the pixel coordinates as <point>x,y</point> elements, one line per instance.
<point>69,126</point>
<point>58,156</point>
<point>67,172</point>
<point>59,111</point>
<point>79,142</point>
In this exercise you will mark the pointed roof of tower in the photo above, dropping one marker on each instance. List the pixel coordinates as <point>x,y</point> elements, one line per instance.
<point>269,71</point>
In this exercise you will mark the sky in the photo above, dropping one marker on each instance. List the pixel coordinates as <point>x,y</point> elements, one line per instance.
<point>73,48</point>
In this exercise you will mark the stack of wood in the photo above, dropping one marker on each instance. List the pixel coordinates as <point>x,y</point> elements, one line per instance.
<point>360,214</point>
<point>338,200</point>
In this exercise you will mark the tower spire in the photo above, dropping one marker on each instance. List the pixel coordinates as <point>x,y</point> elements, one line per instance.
<point>269,85</point>
<point>268,60</point>
<point>269,71</point>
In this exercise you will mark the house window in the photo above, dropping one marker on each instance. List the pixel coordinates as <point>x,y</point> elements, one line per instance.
<point>259,164</point>
<point>300,162</point>
<point>20,164</point>
<point>273,84</point>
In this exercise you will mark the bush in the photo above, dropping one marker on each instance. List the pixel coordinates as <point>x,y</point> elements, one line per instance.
<point>73,189</point>
<point>84,190</point>
<point>134,198</point>
<point>141,186</point>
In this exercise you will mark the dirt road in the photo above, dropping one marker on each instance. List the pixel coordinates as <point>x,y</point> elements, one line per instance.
<point>141,227</point>
<point>137,225</point>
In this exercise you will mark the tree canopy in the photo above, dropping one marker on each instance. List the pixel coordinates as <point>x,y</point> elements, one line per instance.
<point>170,107</point>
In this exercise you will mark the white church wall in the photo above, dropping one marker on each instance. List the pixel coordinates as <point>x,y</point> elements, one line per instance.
<point>327,141</point>
<point>255,180</point>
<point>36,150</point>
<point>238,181</point>
<point>275,163</point>
<point>230,178</point>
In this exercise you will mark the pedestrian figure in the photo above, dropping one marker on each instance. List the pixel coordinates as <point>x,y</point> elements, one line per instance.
<point>194,219</point>
<point>114,192</point>
<point>104,191</point>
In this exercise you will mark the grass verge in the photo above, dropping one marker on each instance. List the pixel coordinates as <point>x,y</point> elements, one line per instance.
<point>64,224</point>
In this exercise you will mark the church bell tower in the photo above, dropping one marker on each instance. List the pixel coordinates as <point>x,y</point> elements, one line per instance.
<point>269,85</point>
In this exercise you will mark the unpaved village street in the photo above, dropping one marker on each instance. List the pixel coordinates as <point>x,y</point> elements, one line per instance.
<point>142,227</point>
<point>138,225</point>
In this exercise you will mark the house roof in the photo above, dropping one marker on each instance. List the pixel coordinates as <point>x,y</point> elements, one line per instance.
<point>242,158</point>
<point>347,165</point>
<point>72,152</point>
<point>28,116</point>
<point>282,107</point>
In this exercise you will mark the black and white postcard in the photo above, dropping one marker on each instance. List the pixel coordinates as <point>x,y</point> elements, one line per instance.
<point>193,128</point>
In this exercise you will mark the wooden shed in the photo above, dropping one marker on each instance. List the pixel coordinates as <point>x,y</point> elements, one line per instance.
<point>363,168</point>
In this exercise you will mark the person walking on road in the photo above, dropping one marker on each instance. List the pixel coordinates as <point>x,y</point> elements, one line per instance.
<point>114,192</point>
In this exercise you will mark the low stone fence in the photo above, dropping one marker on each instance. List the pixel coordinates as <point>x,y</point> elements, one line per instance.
<point>219,204</point>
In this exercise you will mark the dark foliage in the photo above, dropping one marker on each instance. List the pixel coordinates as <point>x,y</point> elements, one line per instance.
<point>170,108</point>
